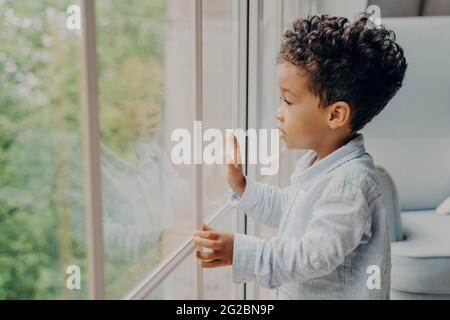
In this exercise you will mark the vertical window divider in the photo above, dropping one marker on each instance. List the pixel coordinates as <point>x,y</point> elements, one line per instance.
<point>198,83</point>
<point>253,97</point>
<point>280,27</point>
<point>91,151</point>
<point>240,93</point>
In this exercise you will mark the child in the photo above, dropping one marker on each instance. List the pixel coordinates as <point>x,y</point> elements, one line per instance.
<point>333,238</point>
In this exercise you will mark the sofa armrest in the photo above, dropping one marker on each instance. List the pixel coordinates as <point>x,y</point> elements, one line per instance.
<point>391,202</point>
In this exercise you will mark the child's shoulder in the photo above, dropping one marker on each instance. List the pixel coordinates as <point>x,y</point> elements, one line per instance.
<point>359,172</point>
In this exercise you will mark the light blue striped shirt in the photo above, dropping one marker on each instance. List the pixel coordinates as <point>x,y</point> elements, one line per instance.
<point>333,238</point>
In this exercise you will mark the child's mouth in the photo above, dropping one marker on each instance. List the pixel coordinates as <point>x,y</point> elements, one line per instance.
<point>282,133</point>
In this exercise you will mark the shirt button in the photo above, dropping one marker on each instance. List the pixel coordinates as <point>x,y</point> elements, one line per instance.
<point>317,264</point>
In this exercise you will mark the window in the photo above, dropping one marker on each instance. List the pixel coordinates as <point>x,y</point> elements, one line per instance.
<point>147,90</point>
<point>86,175</point>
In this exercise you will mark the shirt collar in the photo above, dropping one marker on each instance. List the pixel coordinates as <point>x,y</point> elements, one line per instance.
<point>304,172</point>
<point>147,153</point>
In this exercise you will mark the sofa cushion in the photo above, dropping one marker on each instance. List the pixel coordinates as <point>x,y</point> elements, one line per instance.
<point>401,295</point>
<point>421,263</point>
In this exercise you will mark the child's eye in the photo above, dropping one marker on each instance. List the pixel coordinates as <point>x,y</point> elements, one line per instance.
<point>285,101</point>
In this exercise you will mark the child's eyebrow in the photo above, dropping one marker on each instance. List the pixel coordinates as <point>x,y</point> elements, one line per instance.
<point>288,91</point>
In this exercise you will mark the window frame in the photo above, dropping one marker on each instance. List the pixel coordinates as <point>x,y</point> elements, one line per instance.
<point>91,153</point>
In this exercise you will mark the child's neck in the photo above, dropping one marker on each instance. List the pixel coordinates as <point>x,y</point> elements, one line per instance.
<point>331,146</point>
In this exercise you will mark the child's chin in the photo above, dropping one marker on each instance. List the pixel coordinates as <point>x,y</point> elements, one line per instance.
<point>286,145</point>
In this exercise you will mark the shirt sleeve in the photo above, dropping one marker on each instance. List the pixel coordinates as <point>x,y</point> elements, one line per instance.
<point>341,218</point>
<point>261,201</point>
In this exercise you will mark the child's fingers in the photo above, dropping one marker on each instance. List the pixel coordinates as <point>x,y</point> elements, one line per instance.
<point>206,243</point>
<point>233,167</point>
<point>207,228</point>
<point>210,264</point>
<point>234,158</point>
<point>237,153</point>
<point>212,255</point>
<point>206,234</point>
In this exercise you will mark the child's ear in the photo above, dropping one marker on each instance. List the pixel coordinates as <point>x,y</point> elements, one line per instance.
<point>338,114</point>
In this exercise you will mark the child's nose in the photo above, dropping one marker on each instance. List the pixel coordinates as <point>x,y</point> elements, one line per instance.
<point>279,114</point>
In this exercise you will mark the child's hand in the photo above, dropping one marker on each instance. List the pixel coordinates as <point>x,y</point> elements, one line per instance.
<point>235,176</point>
<point>221,244</point>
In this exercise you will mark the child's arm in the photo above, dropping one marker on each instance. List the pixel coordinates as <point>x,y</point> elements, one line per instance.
<point>341,219</point>
<point>261,201</point>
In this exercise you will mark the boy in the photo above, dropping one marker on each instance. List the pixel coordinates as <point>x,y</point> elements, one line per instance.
<point>333,239</point>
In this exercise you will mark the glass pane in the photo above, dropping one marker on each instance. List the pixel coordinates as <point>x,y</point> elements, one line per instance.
<point>41,187</point>
<point>218,45</point>
<point>146,93</point>
<point>218,282</point>
<point>179,285</point>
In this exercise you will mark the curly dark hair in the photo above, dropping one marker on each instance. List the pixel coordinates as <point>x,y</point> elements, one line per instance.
<point>351,62</point>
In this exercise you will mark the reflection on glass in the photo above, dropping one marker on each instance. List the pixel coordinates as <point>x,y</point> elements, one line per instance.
<point>145,93</point>
<point>147,202</point>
